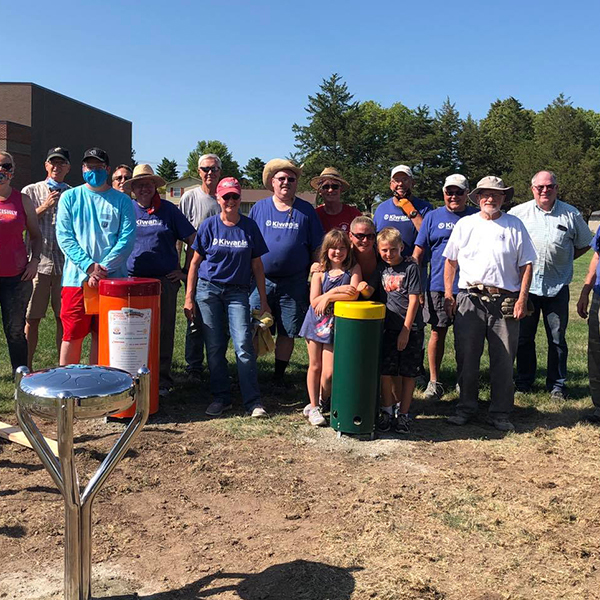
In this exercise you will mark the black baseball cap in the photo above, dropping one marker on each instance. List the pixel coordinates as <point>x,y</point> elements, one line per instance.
<point>59,152</point>
<point>96,153</point>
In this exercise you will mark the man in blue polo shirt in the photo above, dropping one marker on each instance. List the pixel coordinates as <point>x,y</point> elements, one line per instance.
<point>432,239</point>
<point>560,236</point>
<point>293,233</point>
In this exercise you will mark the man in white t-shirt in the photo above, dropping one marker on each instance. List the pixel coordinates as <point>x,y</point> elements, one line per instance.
<point>197,205</point>
<point>495,255</point>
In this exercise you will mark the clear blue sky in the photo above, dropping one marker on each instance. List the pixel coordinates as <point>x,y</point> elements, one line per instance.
<point>241,72</point>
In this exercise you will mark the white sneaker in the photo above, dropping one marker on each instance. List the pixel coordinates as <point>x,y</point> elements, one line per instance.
<point>258,412</point>
<point>315,417</point>
<point>306,410</point>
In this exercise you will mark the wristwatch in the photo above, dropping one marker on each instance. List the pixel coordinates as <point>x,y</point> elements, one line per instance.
<point>413,213</point>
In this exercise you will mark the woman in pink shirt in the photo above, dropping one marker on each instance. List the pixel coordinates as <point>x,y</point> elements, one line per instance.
<point>17,269</point>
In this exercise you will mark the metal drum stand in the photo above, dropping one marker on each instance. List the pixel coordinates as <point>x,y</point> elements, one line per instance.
<point>84,392</point>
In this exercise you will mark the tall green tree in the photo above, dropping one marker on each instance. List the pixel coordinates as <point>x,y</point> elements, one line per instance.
<point>167,169</point>
<point>253,173</point>
<point>230,167</point>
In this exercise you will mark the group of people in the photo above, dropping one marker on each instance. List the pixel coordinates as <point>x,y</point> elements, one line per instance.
<point>488,273</point>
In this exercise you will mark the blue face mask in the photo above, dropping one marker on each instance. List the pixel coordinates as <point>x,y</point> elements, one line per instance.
<point>55,185</point>
<point>96,177</point>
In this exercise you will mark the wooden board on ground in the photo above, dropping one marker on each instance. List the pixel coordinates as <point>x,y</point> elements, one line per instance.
<point>14,434</point>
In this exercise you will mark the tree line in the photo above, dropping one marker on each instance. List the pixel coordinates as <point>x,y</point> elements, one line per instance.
<point>364,139</point>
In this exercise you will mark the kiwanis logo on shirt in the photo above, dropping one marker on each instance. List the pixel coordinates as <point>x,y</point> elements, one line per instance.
<point>282,224</point>
<point>230,243</point>
<point>395,218</point>
<point>148,222</point>
<point>446,225</point>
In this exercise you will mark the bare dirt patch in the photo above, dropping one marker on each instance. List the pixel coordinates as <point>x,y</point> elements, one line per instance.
<point>274,509</point>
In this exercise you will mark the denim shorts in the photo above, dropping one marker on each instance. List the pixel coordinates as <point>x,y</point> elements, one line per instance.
<point>288,299</point>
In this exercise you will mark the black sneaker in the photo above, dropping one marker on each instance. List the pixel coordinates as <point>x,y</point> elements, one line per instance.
<point>384,421</point>
<point>402,424</point>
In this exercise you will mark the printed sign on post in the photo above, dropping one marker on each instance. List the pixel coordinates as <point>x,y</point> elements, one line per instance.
<point>129,338</point>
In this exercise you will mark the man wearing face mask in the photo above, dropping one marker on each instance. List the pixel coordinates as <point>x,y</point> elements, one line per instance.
<point>495,255</point>
<point>95,229</point>
<point>47,283</point>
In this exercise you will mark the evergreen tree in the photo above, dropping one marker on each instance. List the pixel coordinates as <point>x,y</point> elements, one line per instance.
<point>167,169</point>
<point>253,173</point>
<point>230,167</point>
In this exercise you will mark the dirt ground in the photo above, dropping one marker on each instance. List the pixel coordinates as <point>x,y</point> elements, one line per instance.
<point>234,508</point>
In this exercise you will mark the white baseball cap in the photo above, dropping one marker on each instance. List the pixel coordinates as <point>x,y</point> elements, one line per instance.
<point>401,169</point>
<point>457,180</point>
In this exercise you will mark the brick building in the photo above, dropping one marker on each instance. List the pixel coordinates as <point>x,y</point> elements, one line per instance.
<point>34,119</point>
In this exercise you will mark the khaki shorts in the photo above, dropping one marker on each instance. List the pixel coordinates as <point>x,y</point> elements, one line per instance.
<point>44,288</point>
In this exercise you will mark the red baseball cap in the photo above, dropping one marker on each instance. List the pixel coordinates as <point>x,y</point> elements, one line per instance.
<point>229,185</point>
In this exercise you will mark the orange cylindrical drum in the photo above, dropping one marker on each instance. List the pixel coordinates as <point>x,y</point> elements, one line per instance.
<point>129,329</point>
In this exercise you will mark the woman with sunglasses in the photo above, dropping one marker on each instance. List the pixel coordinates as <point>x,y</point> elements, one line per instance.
<point>333,213</point>
<point>227,252</point>
<point>17,269</point>
<point>362,237</point>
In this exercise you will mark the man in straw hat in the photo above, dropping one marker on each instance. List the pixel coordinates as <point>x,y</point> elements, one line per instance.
<point>560,236</point>
<point>160,225</point>
<point>95,229</point>
<point>333,213</point>
<point>495,256</point>
<point>432,239</point>
<point>293,234</point>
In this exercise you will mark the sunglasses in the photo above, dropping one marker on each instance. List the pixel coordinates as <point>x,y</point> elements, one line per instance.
<point>363,236</point>
<point>283,179</point>
<point>6,166</point>
<point>122,177</point>
<point>331,186</point>
<point>231,197</point>
<point>541,188</point>
<point>210,169</point>
<point>455,193</point>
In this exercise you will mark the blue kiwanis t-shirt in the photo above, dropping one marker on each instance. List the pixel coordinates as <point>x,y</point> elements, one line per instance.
<point>433,236</point>
<point>388,214</point>
<point>292,236</point>
<point>595,245</point>
<point>154,253</point>
<point>228,251</point>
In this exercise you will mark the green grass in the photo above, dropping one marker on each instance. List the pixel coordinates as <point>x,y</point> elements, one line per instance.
<point>187,400</point>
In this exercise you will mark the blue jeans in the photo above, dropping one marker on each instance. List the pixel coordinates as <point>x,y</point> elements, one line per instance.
<point>555,312</point>
<point>221,305</point>
<point>14,298</point>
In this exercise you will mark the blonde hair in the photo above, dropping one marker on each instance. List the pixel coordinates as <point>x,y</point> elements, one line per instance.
<point>333,239</point>
<point>363,220</point>
<point>390,235</point>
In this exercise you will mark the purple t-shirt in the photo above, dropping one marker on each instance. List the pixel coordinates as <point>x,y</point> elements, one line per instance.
<point>433,236</point>
<point>595,245</point>
<point>154,253</point>
<point>228,251</point>
<point>388,214</point>
<point>291,235</point>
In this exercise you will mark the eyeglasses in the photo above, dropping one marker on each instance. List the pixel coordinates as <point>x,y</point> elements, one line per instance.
<point>58,162</point>
<point>493,195</point>
<point>284,179</point>
<point>455,193</point>
<point>330,186</point>
<point>541,188</point>
<point>210,169</point>
<point>6,166</point>
<point>231,197</point>
<point>363,236</point>
<point>121,178</point>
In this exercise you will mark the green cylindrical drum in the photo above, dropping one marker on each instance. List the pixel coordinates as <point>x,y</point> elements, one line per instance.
<point>356,360</point>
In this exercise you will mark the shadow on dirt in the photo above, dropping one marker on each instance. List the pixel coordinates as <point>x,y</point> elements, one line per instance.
<point>296,580</point>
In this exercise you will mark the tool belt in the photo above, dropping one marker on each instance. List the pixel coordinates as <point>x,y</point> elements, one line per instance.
<point>487,293</point>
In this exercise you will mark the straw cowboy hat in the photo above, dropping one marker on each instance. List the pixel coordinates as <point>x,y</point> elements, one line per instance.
<point>492,183</point>
<point>143,173</point>
<point>274,166</point>
<point>329,173</point>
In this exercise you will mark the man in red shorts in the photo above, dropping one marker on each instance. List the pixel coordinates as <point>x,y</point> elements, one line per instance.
<point>95,229</point>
